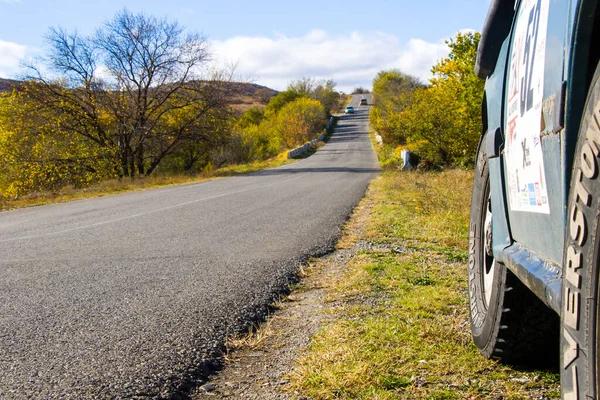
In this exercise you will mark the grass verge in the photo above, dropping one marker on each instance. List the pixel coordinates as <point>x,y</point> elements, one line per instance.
<point>400,324</point>
<point>135,184</point>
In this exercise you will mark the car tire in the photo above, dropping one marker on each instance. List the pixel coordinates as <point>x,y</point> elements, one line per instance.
<point>508,322</point>
<point>580,313</point>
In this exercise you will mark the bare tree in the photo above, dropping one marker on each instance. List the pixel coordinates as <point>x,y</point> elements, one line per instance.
<point>318,89</point>
<point>325,92</point>
<point>360,90</point>
<point>134,87</point>
<point>303,86</point>
<point>264,95</point>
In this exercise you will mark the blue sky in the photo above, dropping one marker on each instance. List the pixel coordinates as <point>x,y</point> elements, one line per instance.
<point>272,42</point>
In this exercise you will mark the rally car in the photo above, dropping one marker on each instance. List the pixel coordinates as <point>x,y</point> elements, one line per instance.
<point>534,241</point>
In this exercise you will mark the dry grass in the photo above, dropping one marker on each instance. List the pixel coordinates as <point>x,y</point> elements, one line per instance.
<point>241,104</point>
<point>252,339</point>
<point>401,327</point>
<point>135,184</point>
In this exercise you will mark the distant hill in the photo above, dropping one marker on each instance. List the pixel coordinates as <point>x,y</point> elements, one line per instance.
<point>250,89</point>
<point>6,85</point>
<point>247,93</point>
<point>250,95</point>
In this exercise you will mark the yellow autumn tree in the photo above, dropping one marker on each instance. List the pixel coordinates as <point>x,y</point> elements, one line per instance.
<point>300,121</point>
<point>392,91</point>
<point>444,120</point>
<point>36,155</point>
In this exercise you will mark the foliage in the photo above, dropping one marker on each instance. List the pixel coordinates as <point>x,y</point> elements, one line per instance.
<point>264,94</point>
<point>35,155</point>
<point>322,91</point>
<point>252,116</point>
<point>291,118</point>
<point>360,90</point>
<point>304,86</point>
<point>131,90</point>
<point>432,121</point>
<point>195,153</point>
<point>249,143</point>
<point>455,76</point>
<point>325,93</point>
<point>299,121</point>
<point>258,136</point>
<point>389,157</point>
<point>279,101</point>
<point>442,122</point>
<point>261,141</point>
<point>393,90</point>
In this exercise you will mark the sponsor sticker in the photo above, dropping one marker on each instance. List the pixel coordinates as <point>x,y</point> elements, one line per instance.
<point>526,177</point>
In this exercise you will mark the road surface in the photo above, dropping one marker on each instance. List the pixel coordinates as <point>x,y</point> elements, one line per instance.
<point>133,295</point>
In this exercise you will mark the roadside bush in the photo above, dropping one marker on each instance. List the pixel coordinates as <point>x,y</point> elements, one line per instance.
<point>388,157</point>
<point>300,121</point>
<point>289,120</point>
<point>261,141</point>
<point>447,115</point>
<point>36,156</point>
<point>440,122</point>
<point>249,143</point>
<point>280,101</point>
<point>393,90</point>
<point>252,116</point>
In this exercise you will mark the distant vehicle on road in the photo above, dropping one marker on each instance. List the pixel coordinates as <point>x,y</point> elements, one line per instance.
<point>363,101</point>
<point>349,110</point>
<point>534,241</point>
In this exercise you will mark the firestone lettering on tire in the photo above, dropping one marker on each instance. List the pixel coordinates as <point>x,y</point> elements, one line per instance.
<point>477,318</point>
<point>578,234</point>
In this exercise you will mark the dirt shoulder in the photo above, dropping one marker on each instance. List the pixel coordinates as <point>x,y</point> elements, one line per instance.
<point>258,364</point>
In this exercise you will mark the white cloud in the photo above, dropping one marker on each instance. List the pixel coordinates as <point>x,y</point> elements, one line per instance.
<point>351,60</point>
<point>10,57</point>
<point>464,31</point>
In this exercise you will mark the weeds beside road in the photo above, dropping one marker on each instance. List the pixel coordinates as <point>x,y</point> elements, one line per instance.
<point>400,317</point>
<point>124,185</point>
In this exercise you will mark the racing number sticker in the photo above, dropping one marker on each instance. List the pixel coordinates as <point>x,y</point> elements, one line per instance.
<point>524,158</point>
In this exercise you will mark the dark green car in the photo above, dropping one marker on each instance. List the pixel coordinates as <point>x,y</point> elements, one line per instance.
<point>534,245</point>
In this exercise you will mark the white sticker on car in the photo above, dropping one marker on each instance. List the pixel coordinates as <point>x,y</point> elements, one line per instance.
<point>523,151</point>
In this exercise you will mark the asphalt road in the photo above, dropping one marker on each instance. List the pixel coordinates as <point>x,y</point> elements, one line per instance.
<point>132,295</point>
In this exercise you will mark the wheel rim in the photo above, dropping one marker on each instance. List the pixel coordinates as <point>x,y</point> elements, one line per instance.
<point>489,261</point>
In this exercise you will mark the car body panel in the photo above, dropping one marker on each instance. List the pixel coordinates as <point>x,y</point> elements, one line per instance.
<point>538,230</point>
<point>531,243</point>
<point>541,276</point>
<point>494,100</point>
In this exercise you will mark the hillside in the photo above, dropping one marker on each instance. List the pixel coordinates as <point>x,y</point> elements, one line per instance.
<point>247,94</point>
<point>251,95</point>
<point>6,85</point>
<point>250,89</point>
<point>244,89</point>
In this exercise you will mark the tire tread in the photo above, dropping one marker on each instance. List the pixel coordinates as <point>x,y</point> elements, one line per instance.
<point>529,330</point>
